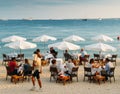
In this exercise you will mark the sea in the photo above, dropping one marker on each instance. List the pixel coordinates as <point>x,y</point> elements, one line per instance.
<point>62,28</point>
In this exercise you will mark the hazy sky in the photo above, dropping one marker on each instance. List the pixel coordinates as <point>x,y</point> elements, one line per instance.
<point>59,9</point>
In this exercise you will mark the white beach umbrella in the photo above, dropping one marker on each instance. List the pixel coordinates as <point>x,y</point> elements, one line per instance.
<point>44,38</point>
<point>12,38</point>
<point>64,45</point>
<point>100,47</point>
<point>73,38</point>
<point>102,38</point>
<point>21,45</point>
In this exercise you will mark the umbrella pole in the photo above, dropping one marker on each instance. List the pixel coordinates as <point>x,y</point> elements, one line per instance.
<point>44,47</point>
<point>100,54</point>
<point>20,51</point>
<point>63,57</point>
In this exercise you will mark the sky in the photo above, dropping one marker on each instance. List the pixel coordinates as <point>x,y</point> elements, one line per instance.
<point>59,9</point>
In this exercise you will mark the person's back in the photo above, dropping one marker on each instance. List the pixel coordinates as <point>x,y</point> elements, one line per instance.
<point>53,63</point>
<point>27,67</point>
<point>70,65</point>
<point>67,55</point>
<point>12,64</point>
<point>107,67</point>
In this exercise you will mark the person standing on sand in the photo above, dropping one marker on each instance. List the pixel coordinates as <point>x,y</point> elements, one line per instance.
<point>37,69</point>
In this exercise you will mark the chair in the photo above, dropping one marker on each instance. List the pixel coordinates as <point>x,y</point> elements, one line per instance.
<point>111,74</point>
<point>8,72</point>
<point>5,58</point>
<point>20,57</point>
<point>96,57</point>
<point>74,73</point>
<point>54,72</point>
<point>87,73</point>
<point>86,58</point>
<point>113,58</point>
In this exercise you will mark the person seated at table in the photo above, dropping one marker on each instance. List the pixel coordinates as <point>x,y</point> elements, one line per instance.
<point>81,58</point>
<point>70,65</point>
<point>95,67</point>
<point>64,71</point>
<point>67,55</point>
<point>53,52</point>
<point>53,65</point>
<point>89,64</point>
<point>27,67</point>
<point>108,65</point>
<point>13,66</point>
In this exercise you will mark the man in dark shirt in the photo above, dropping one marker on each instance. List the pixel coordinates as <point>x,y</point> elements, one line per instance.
<point>53,52</point>
<point>67,55</point>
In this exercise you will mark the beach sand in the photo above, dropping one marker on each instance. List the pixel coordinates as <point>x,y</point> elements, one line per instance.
<point>80,87</point>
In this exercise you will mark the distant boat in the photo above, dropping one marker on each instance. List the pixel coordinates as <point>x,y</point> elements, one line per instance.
<point>84,19</point>
<point>29,19</point>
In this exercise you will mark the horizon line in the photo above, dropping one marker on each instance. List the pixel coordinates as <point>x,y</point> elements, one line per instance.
<point>57,18</point>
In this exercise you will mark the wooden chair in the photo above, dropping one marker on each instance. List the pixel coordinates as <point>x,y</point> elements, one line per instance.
<point>20,57</point>
<point>54,72</point>
<point>113,59</point>
<point>111,74</point>
<point>96,57</point>
<point>8,72</point>
<point>5,58</point>
<point>86,58</point>
<point>74,73</point>
<point>88,73</point>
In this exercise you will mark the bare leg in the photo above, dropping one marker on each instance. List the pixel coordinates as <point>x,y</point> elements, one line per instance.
<point>39,82</point>
<point>33,81</point>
